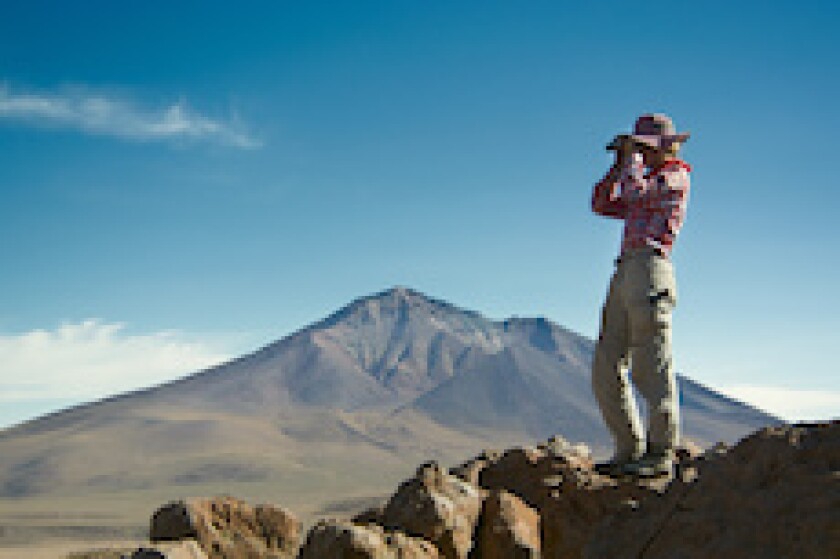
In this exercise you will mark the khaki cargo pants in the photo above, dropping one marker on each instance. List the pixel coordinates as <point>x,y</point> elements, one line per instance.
<point>636,330</point>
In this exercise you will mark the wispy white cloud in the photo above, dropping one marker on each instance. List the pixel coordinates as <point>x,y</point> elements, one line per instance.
<point>92,359</point>
<point>792,404</point>
<point>101,114</point>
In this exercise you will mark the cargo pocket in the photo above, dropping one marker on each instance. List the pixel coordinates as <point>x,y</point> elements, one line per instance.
<point>662,288</point>
<point>650,317</point>
<point>661,304</point>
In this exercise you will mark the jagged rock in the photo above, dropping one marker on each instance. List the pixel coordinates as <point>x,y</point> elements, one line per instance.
<point>372,515</point>
<point>507,529</point>
<point>775,494</point>
<point>173,521</point>
<point>558,480</point>
<point>689,450</point>
<point>470,470</point>
<point>559,446</point>
<point>437,506</point>
<point>344,540</point>
<point>532,472</point>
<point>227,528</point>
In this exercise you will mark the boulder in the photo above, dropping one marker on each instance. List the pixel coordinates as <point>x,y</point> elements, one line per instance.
<point>557,479</point>
<point>775,494</point>
<point>172,522</point>
<point>437,506</point>
<point>507,529</point>
<point>334,539</point>
<point>227,528</point>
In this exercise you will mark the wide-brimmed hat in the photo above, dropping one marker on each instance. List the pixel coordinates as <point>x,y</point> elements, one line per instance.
<point>657,130</point>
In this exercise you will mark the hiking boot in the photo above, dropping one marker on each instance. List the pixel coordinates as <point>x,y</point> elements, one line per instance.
<point>652,464</point>
<point>615,466</point>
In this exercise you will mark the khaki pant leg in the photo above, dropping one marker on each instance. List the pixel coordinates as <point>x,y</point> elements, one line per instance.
<point>610,382</point>
<point>651,299</point>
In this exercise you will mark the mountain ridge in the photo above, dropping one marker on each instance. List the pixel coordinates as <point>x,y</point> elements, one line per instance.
<point>539,330</point>
<point>346,403</point>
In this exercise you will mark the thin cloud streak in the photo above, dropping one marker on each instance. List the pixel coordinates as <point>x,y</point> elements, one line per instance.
<point>108,116</point>
<point>91,359</point>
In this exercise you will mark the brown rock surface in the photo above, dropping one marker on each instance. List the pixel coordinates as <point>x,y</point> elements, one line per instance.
<point>558,481</point>
<point>227,528</point>
<point>508,529</point>
<point>344,540</point>
<point>437,506</point>
<point>776,494</point>
<point>470,470</point>
<point>372,515</point>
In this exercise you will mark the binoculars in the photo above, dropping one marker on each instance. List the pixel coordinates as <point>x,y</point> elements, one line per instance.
<point>616,142</point>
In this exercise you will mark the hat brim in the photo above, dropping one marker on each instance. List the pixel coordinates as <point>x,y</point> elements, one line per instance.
<point>656,141</point>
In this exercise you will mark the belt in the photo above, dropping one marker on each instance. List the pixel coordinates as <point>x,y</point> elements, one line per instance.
<point>639,252</point>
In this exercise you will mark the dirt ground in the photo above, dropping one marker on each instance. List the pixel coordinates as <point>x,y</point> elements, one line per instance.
<point>60,550</point>
<point>52,528</point>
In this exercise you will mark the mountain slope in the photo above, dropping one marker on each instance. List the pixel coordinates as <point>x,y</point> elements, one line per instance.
<point>341,408</point>
<point>541,380</point>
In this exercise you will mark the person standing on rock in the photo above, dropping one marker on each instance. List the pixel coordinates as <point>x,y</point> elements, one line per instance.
<point>647,187</point>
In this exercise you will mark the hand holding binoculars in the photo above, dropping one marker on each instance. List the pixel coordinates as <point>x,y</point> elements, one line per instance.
<point>623,142</point>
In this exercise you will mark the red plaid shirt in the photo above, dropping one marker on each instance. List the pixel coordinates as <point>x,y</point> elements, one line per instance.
<point>652,205</point>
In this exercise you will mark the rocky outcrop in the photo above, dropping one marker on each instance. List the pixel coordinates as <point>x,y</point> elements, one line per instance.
<point>437,506</point>
<point>508,529</point>
<point>227,528</point>
<point>557,479</point>
<point>345,540</point>
<point>775,494</point>
<point>472,468</point>
<point>547,501</point>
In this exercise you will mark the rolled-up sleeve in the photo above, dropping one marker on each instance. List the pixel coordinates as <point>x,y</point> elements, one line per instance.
<point>607,197</point>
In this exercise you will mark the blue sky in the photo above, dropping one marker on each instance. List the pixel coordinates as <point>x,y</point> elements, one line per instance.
<point>183,182</point>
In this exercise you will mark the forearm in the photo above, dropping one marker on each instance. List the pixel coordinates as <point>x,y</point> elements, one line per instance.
<point>606,196</point>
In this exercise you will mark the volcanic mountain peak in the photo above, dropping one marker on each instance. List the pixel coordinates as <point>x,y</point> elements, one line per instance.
<point>400,312</point>
<point>404,339</point>
<point>402,303</point>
